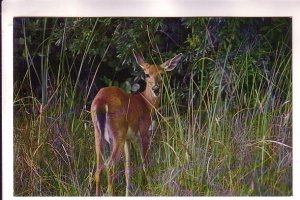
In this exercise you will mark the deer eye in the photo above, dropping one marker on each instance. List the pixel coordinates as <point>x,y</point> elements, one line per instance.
<point>147,75</point>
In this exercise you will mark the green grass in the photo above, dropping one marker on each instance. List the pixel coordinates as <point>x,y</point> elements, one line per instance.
<point>203,145</point>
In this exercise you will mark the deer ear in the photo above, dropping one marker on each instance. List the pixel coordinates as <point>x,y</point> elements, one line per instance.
<point>139,59</point>
<point>169,65</point>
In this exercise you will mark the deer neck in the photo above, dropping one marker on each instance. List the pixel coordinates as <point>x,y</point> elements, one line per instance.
<point>151,100</point>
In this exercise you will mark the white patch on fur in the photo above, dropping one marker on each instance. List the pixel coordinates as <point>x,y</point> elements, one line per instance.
<point>153,93</point>
<point>152,125</point>
<point>106,135</point>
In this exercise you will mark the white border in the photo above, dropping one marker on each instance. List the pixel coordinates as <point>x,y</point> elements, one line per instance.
<point>131,8</point>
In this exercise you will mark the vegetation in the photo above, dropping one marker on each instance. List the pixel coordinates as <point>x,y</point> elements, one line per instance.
<point>225,125</point>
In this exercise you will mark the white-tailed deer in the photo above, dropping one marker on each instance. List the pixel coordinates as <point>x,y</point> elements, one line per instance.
<point>118,116</point>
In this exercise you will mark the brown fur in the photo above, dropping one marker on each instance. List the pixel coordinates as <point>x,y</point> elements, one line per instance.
<point>117,111</point>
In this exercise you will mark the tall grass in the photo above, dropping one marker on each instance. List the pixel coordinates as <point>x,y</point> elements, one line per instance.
<point>52,138</point>
<point>237,145</point>
<point>204,144</point>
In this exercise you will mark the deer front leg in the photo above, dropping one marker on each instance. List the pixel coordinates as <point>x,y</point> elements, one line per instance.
<point>144,154</point>
<point>144,140</point>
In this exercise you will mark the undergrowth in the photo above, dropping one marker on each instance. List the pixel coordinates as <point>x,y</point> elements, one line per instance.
<point>229,134</point>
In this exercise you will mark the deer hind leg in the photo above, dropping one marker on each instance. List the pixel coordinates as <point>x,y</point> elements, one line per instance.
<point>127,166</point>
<point>99,145</point>
<point>100,165</point>
<point>117,150</point>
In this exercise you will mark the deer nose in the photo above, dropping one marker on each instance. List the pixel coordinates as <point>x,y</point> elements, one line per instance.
<point>155,89</point>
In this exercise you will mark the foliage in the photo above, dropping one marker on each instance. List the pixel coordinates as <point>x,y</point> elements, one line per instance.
<point>225,123</point>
